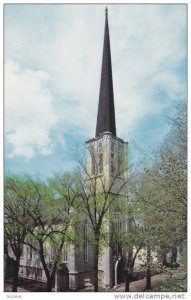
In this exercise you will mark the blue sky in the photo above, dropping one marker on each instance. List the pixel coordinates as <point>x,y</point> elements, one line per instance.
<point>52,62</point>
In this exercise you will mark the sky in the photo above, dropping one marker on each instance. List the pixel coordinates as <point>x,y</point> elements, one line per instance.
<point>52,67</point>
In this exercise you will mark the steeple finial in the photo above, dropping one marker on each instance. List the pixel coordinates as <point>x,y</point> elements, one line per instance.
<point>106,109</point>
<point>106,11</point>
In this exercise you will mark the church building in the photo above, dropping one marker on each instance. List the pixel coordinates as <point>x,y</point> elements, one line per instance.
<point>107,156</point>
<point>106,153</point>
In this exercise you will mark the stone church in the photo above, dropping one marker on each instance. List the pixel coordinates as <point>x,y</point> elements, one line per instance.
<point>104,153</point>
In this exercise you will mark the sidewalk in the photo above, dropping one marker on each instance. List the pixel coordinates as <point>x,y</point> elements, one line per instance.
<point>26,285</point>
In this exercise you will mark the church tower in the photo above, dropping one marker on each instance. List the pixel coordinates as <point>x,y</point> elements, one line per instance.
<point>107,153</point>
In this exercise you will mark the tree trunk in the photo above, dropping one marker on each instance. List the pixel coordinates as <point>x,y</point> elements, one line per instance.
<point>129,270</point>
<point>15,275</point>
<point>174,256</point>
<point>49,286</point>
<point>148,283</point>
<point>46,270</point>
<point>164,261</point>
<point>96,261</point>
<point>127,280</point>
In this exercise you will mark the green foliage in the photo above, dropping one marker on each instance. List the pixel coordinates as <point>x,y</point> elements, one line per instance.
<point>161,190</point>
<point>16,204</point>
<point>154,216</point>
<point>42,214</point>
<point>174,281</point>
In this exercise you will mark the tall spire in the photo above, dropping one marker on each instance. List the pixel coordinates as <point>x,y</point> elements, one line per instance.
<point>106,110</point>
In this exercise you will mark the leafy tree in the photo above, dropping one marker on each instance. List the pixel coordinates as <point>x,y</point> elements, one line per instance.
<point>52,214</point>
<point>126,237</point>
<point>175,281</point>
<point>162,190</point>
<point>97,197</point>
<point>49,213</point>
<point>169,176</point>
<point>15,215</point>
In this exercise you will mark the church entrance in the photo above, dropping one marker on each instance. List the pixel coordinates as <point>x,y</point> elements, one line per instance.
<point>119,272</point>
<point>62,283</point>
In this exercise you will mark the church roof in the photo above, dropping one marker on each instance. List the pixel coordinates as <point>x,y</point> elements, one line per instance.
<point>106,109</point>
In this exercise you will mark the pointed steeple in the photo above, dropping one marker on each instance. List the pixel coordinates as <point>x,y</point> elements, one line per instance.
<point>106,109</point>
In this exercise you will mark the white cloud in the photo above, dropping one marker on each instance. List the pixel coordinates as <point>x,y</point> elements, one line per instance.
<point>147,44</point>
<point>152,44</point>
<point>29,112</point>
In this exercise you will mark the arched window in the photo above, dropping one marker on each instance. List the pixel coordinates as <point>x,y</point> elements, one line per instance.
<point>120,161</point>
<point>93,165</point>
<point>30,252</point>
<point>92,160</point>
<point>52,253</point>
<point>118,231</point>
<point>100,158</point>
<point>65,253</point>
<point>100,162</point>
<point>85,242</point>
<point>112,160</point>
<point>22,251</point>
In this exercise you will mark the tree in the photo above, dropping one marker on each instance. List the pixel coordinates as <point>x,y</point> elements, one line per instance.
<point>126,237</point>
<point>162,190</point>
<point>52,214</point>
<point>44,217</point>
<point>97,197</point>
<point>169,175</point>
<point>15,215</point>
